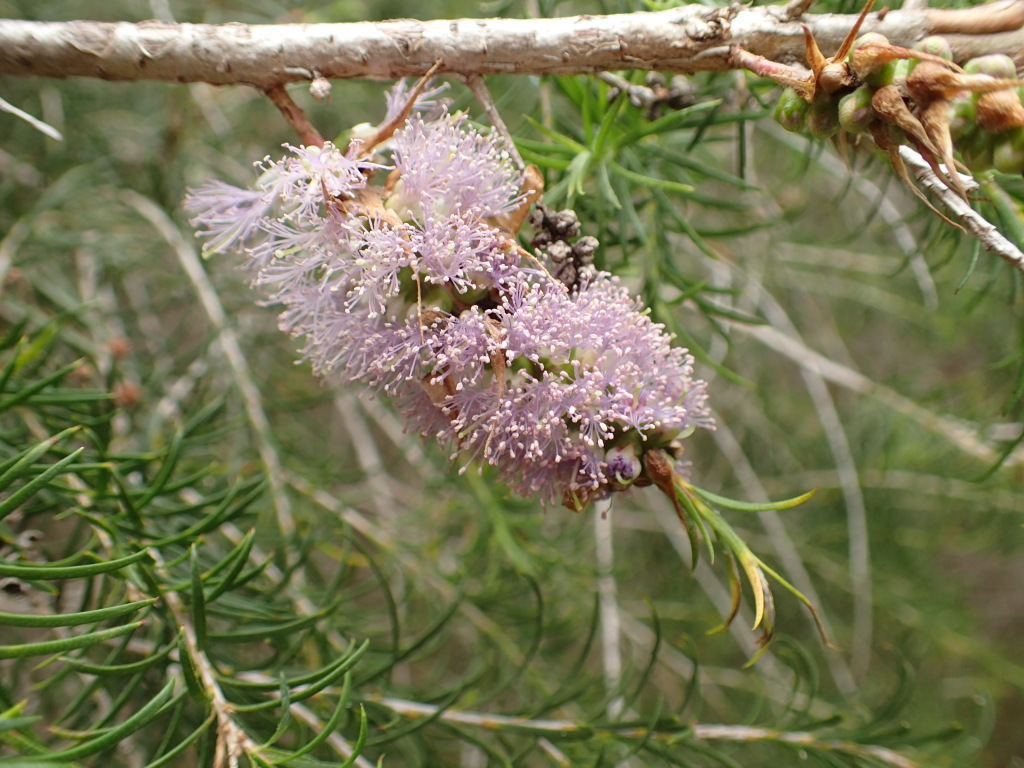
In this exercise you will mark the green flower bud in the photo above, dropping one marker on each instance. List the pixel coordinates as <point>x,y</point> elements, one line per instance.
<point>901,69</point>
<point>823,119</point>
<point>792,110</point>
<point>885,74</point>
<point>867,37</point>
<point>994,65</point>
<point>868,63</point>
<point>855,113</point>
<point>935,45</point>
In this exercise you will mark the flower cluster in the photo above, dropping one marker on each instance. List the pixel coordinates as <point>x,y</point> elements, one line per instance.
<point>398,267</point>
<point>897,96</point>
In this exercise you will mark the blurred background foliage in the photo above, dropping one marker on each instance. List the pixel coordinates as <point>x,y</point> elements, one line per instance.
<point>344,587</point>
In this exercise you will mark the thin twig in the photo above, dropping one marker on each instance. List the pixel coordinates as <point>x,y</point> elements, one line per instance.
<point>371,463</point>
<point>919,484</point>
<point>974,223</point>
<point>309,135</point>
<point>699,731</point>
<point>426,573</point>
<point>767,665</point>
<point>781,541</point>
<point>961,435</point>
<point>35,122</point>
<point>336,740</point>
<point>232,740</point>
<point>853,497</point>
<point>608,605</point>
<point>871,191</point>
<point>639,95</point>
<point>483,95</point>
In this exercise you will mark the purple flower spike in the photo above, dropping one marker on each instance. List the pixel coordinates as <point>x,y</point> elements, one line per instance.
<point>410,285</point>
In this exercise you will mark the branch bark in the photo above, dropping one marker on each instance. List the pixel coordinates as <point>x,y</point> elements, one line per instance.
<point>687,39</point>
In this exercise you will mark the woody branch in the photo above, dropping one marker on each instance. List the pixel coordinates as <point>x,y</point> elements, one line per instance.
<point>687,39</point>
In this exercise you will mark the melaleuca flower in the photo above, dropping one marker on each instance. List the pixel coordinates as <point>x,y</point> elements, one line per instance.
<point>395,266</point>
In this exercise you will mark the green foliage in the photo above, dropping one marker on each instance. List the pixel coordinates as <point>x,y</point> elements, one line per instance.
<point>201,546</point>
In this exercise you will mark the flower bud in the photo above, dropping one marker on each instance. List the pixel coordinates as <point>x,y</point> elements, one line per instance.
<point>855,113</point>
<point>868,37</point>
<point>863,62</point>
<point>901,69</point>
<point>881,73</point>
<point>791,111</point>
<point>868,56</point>
<point>823,119</point>
<point>936,46</point>
<point>622,464</point>
<point>836,75</point>
<point>994,65</point>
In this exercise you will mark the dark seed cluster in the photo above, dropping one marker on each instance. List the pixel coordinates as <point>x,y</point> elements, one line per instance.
<point>570,262</point>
